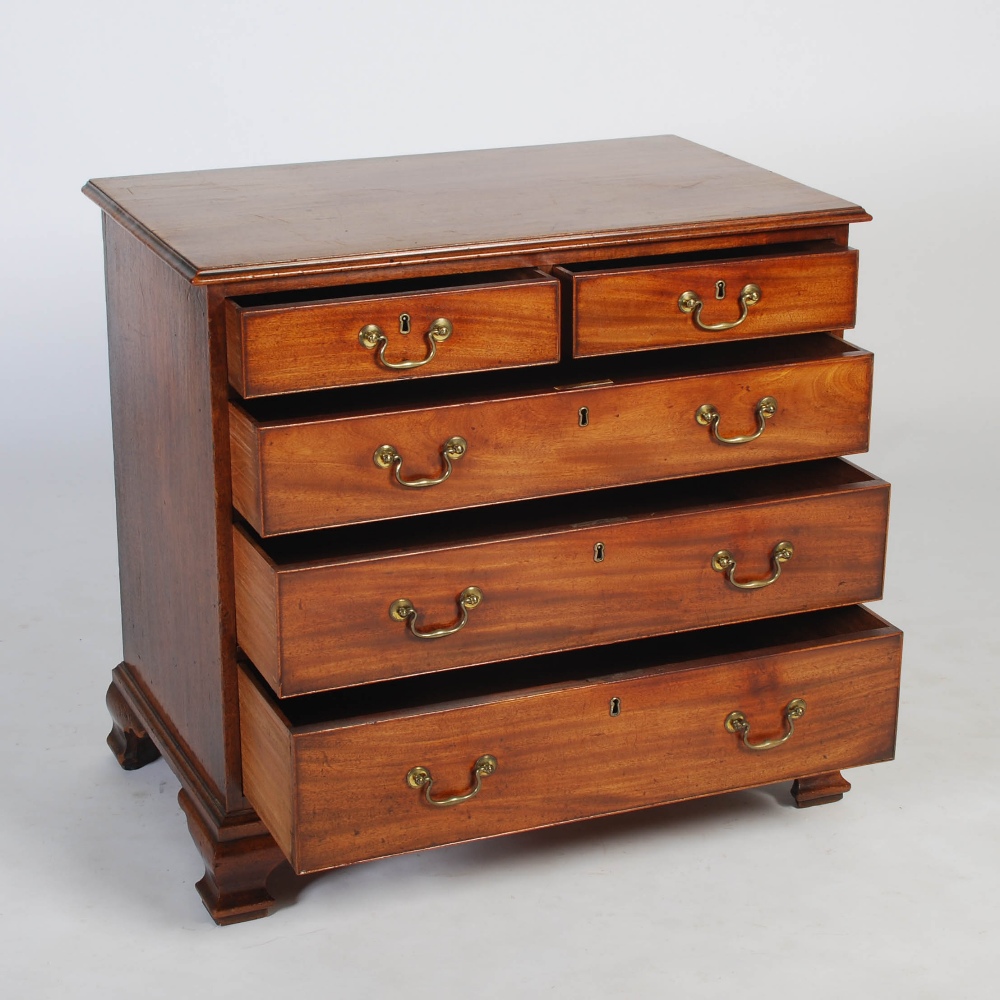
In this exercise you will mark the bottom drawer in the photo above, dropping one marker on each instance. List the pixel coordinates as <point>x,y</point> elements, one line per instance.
<point>346,776</point>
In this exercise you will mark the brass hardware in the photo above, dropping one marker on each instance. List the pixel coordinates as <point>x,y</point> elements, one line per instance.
<point>404,323</point>
<point>737,722</point>
<point>599,552</point>
<point>371,336</point>
<point>452,450</point>
<point>723,562</point>
<point>404,611</point>
<point>615,708</point>
<point>689,302</point>
<point>720,289</point>
<point>708,416</point>
<point>584,416</point>
<point>420,777</point>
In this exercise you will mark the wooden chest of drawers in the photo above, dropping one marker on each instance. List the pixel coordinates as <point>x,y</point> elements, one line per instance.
<point>453,490</point>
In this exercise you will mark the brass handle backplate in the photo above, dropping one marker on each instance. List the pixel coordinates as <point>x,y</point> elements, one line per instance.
<point>386,457</point>
<point>420,777</point>
<point>371,336</point>
<point>404,611</point>
<point>737,722</point>
<point>708,416</point>
<point>689,302</point>
<point>723,562</point>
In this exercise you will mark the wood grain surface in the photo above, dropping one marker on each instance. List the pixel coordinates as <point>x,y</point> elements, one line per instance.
<point>561,754</point>
<point>544,590</point>
<point>506,322</point>
<point>172,507</point>
<point>635,309</point>
<point>223,224</point>
<point>293,474</point>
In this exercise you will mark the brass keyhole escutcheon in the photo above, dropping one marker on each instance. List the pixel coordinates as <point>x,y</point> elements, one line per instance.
<point>371,337</point>
<point>690,304</point>
<point>599,552</point>
<point>615,708</point>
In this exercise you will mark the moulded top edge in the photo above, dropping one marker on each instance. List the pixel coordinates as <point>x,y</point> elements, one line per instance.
<point>218,225</point>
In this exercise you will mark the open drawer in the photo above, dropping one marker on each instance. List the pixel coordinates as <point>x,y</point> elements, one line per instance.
<point>693,411</point>
<point>363,334</point>
<point>366,773</point>
<point>726,296</point>
<point>363,604</point>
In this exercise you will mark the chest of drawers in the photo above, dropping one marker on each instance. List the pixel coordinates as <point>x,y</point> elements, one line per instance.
<point>470,493</point>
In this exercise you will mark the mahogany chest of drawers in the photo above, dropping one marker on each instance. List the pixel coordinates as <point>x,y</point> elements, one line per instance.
<point>469,493</point>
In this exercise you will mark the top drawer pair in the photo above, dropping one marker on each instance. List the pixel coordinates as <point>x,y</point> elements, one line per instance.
<point>512,319</point>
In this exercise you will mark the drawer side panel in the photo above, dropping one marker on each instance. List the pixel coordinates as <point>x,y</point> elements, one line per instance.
<point>257,609</point>
<point>268,768</point>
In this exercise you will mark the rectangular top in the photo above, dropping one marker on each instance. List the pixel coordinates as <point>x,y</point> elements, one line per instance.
<point>216,225</point>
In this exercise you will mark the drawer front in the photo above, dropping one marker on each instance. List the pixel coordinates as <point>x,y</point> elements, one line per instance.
<point>296,475</point>
<point>338,793</point>
<point>636,309</point>
<point>504,323</point>
<point>317,626</point>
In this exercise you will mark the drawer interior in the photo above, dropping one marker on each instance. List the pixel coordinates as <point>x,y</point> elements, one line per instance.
<point>638,367</point>
<point>703,256</point>
<point>379,289</point>
<point>528,517</point>
<point>496,681</point>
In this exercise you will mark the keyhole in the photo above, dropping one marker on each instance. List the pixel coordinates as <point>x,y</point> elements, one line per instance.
<point>599,552</point>
<point>584,416</point>
<point>720,289</point>
<point>616,707</point>
<point>404,322</point>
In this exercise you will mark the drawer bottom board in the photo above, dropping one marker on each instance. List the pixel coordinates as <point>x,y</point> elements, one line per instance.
<point>336,792</point>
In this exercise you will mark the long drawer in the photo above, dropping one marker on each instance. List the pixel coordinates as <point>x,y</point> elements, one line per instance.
<point>382,333</point>
<point>734,407</point>
<point>349,776</point>
<point>416,597</point>
<point>728,297</point>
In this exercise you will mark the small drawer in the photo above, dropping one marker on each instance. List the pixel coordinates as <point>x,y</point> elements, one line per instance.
<point>505,582</point>
<point>347,777</point>
<point>726,408</point>
<point>646,306</point>
<point>377,333</point>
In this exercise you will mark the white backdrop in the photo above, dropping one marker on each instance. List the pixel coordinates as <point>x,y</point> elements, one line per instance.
<point>893,105</point>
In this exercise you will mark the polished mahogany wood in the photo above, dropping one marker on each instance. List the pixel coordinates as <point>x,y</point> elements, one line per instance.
<point>335,792</point>
<point>295,474</point>
<point>544,590</point>
<point>819,789</point>
<point>221,283</point>
<point>636,308</point>
<point>239,855</point>
<point>217,225</point>
<point>173,500</point>
<point>507,321</point>
<point>129,742</point>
